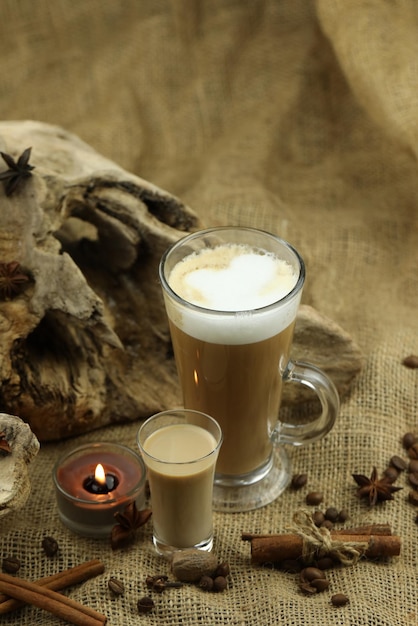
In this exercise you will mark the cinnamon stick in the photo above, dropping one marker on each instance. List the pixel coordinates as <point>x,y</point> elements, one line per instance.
<point>278,548</point>
<point>51,601</point>
<point>58,582</point>
<point>368,529</point>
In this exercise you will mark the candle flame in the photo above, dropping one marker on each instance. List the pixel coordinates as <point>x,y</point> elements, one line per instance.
<point>196,377</point>
<point>99,474</point>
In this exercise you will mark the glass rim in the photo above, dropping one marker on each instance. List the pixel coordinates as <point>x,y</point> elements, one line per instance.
<point>173,412</point>
<point>219,312</point>
<point>112,500</point>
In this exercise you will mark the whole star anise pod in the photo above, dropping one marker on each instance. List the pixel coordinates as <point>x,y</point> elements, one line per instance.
<point>18,171</point>
<point>4,444</point>
<point>375,489</point>
<point>12,280</point>
<point>129,520</point>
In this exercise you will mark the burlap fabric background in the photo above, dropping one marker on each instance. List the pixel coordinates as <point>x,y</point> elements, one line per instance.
<point>292,116</point>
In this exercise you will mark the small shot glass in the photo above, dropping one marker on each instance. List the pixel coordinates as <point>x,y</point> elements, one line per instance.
<point>180,448</point>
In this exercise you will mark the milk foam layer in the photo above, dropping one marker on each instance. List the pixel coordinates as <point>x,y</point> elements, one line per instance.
<point>233,278</point>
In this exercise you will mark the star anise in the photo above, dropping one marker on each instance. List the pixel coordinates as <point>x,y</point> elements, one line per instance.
<point>375,489</point>
<point>12,280</point>
<point>129,520</point>
<point>4,444</point>
<point>18,171</point>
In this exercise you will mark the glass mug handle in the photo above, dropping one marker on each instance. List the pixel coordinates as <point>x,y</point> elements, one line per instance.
<point>314,378</point>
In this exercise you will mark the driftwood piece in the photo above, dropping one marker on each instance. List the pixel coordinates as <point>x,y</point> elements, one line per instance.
<point>15,482</point>
<point>86,342</point>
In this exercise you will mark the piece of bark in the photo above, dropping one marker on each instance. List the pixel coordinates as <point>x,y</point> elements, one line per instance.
<point>15,482</point>
<point>86,343</point>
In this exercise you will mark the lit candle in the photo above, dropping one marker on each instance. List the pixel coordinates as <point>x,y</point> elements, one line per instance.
<point>95,481</point>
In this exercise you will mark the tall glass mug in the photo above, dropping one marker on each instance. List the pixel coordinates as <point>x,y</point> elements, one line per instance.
<point>231,296</point>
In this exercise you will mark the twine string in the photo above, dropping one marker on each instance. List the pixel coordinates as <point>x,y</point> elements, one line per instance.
<point>319,539</point>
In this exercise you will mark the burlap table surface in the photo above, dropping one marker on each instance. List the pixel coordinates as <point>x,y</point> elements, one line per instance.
<point>296,117</point>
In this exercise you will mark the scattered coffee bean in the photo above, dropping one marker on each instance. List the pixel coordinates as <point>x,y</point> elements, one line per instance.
<point>318,518</point>
<point>413,466</point>
<point>299,481</point>
<point>413,497</point>
<point>116,586</point>
<point>320,584</point>
<point>312,580</point>
<point>327,524</point>
<point>413,479</point>
<point>206,583</point>
<point>50,546</point>
<point>339,599</point>
<point>411,361</point>
<point>408,439</point>
<point>145,604</point>
<point>220,583</point>
<point>343,515</point>
<point>325,562</point>
<point>398,463</point>
<point>11,565</point>
<point>308,574</point>
<point>223,569</point>
<point>413,451</point>
<point>314,497</point>
<point>391,474</point>
<point>332,514</point>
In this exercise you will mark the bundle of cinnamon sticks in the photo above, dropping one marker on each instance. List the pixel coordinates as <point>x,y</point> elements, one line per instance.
<point>376,541</point>
<point>14,592</point>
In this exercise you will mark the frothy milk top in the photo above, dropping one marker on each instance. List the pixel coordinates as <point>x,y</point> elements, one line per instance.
<point>233,278</point>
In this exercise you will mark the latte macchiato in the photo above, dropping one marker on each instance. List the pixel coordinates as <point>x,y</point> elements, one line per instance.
<point>228,358</point>
<point>232,294</point>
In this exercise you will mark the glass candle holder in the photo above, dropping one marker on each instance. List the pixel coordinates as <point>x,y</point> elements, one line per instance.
<point>88,496</point>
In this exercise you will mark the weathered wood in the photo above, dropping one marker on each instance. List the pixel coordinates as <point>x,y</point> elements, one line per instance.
<point>15,482</point>
<point>86,344</point>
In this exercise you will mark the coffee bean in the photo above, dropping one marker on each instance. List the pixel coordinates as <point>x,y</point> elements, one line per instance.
<point>320,584</point>
<point>343,516</point>
<point>391,473</point>
<point>413,466</point>
<point>413,497</point>
<point>299,481</point>
<point>11,565</point>
<point>312,580</point>
<point>327,524</point>
<point>411,361</point>
<point>332,514</point>
<point>314,497</point>
<point>339,599</point>
<point>413,451</point>
<point>325,563</point>
<point>308,574</point>
<point>145,604</point>
<point>399,463</point>
<point>220,583</point>
<point>318,518</point>
<point>408,439</point>
<point>116,586</point>
<point>413,479</point>
<point>50,546</point>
